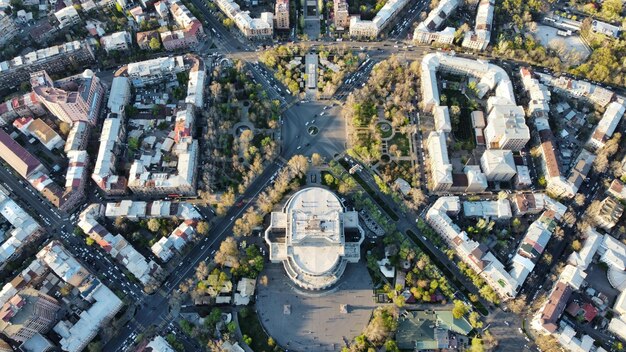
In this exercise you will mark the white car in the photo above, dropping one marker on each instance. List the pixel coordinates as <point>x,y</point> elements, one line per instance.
<point>299,147</point>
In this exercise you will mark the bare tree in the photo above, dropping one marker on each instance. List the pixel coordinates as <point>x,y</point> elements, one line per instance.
<point>228,252</point>
<point>299,165</point>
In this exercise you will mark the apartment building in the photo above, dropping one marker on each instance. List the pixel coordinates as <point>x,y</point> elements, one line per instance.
<point>555,306</point>
<point>7,28</point>
<point>148,72</point>
<point>24,163</point>
<point>78,100</point>
<point>579,89</point>
<point>67,16</point>
<point>77,137</point>
<point>178,39</point>
<point>119,95</point>
<point>117,246</point>
<point>24,229</point>
<point>505,283</point>
<point>607,125</point>
<point>189,32</point>
<point>25,106</point>
<point>498,165</point>
<point>440,166</point>
<point>28,313</point>
<point>118,41</point>
<point>372,28</point>
<point>38,129</point>
<point>610,212</point>
<point>506,128</point>
<point>342,16</point>
<point>183,181</point>
<point>428,31</point>
<point>55,59</point>
<point>281,14</point>
<point>111,145</point>
<point>253,28</point>
<point>104,304</point>
<point>479,38</point>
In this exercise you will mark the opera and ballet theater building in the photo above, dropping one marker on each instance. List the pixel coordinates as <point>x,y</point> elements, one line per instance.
<point>315,238</point>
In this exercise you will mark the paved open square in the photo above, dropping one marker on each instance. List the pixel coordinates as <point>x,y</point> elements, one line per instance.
<point>313,321</point>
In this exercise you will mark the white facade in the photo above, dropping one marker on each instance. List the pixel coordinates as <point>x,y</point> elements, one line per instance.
<point>255,28</point>
<point>498,165</point>
<point>427,32</point>
<point>497,209</point>
<point>116,41</point>
<point>440,166</point>
<point>360,28</point>
<point>67,16</point>
<point>479,38</point>
<point>104,172</point>
<point>441,115</point>
<point>314,237</point>
<point>506,284</point>
<point>117,246</point>
<point>151,71</point>
<point>119,95</point>
<point>104,303</point>
<point>24,228</point>
<point>605,128</point>
<point>506,128</point>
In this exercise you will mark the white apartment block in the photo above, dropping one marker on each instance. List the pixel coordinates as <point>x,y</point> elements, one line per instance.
<point>148,72</point>
<point>67,16</point>
<point>166,247</point>
<point>143,269</point>
<point>440,166</point>
<point>119,41</point>
<point>257,28</point>
<point>24,228</point>
<point>489,76</point>
<point>77,138</point>
<point>539,104</point>
<point>142,181</point>
<point>479,38</point>
<point>558,184</point>
<point>254,28</point>
<point>76,335</point>
<point>105,169</point>
<point>281,14</point>
<point>372,28</point>
<point>579,89</point>
<point>7,28</point>
<point>505,283</point>
<point>506,128</point>
<point>119,95</point>
<point>342,16</point>
<point>607,125</point>
<point>498,165</point>
<point>427,31</point>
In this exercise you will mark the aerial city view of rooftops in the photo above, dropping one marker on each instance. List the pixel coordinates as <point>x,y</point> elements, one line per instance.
<point>312,175</point>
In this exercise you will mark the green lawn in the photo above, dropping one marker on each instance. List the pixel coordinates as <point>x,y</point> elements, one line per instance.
<point>251,326</point>
<point>383,133</point>
<point>402,141</point>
